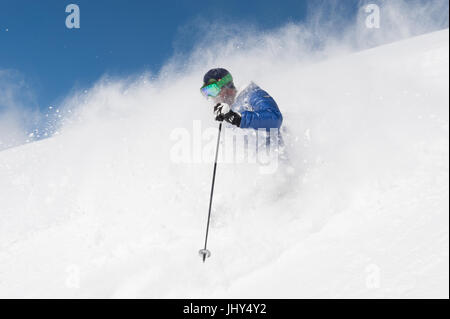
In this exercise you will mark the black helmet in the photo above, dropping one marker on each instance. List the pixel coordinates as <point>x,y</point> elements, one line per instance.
<point>215,75</point>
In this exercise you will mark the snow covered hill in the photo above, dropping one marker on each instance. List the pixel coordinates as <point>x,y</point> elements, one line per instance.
<point>103,210</point>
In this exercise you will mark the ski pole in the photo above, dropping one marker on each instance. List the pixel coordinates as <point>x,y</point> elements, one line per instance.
<point>205,252</point>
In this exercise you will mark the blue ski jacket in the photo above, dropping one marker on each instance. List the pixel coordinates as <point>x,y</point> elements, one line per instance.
<point>257,108</point>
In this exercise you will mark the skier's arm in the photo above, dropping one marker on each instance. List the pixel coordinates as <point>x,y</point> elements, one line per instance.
<point>265,115</point>
<point>261,119</point>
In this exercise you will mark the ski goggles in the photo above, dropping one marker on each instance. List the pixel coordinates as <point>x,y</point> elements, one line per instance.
<point>214,89</point>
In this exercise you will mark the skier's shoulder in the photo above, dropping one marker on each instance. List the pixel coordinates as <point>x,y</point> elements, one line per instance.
<point>258,95</point>
<point>251,97</point>
<point>251,91</point>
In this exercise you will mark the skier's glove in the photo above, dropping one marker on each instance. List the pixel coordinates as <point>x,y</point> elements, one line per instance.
<point>223,112</point>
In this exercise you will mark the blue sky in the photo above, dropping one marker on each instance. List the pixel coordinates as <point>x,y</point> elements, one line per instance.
<point>116,37</point>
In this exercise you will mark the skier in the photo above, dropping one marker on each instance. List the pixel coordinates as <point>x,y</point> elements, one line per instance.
<point>252,108</point>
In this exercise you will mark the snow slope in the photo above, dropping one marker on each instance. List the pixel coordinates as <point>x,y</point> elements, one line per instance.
<point>103,210</point>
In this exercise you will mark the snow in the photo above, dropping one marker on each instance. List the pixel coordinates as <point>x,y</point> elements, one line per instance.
<point>103,210</point>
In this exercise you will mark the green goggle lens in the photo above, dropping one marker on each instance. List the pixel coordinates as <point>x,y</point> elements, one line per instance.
<point>214,89</point>
<point>211,90</point>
